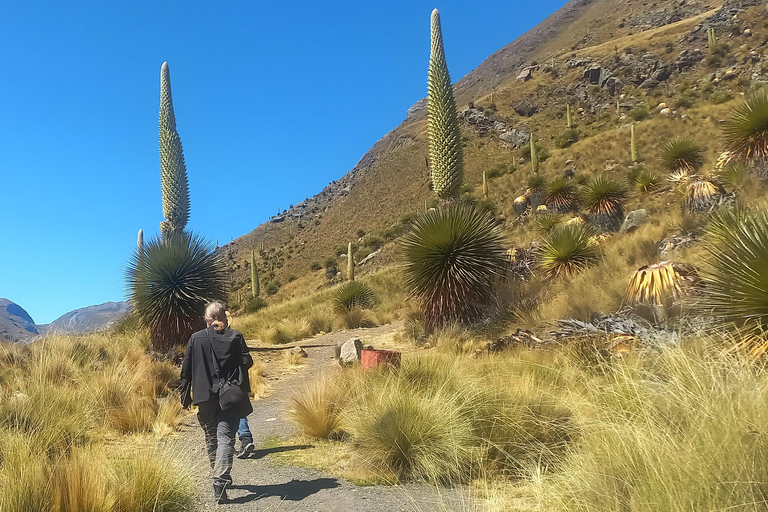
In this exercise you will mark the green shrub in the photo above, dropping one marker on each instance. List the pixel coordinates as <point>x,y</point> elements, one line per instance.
<point>567,138</point>
<point>272,287</point>
<point>499,170</point>
<point>682,153</point>
<point>452,256</point>
<point>639,113</point>
<point>254,304</point>
<point>734,290</point>
<point>561,195</point>
<point>646,180</point>
<point>720,96</point>
<point>352,294</point>
<point>567,250</point>
<point>171,285</point>
<point>745,132</point>
<point>315,265</point>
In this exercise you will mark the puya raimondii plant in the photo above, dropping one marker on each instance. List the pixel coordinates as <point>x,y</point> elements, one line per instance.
<point>173,171</point>
<point>445,151</point>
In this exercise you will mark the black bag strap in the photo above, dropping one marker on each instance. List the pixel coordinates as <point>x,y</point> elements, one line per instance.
<point>214,358</point>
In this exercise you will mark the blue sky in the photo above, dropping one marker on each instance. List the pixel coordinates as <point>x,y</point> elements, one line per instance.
<point>273,100</point>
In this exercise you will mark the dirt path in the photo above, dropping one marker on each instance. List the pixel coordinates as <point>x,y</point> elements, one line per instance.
<point>260,483</point>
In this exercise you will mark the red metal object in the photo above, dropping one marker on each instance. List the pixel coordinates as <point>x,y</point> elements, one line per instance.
<point>372,358</point>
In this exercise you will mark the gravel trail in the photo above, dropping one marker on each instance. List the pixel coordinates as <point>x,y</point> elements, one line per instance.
<point>260,483</point>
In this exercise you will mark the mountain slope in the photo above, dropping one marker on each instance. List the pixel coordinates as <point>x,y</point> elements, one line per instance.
<point>15,323</point>
<point>87,319</point>
<point>635,40</point>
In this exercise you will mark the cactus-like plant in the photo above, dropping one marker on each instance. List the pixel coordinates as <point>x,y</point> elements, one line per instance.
<point>350,263</point>
<point>568,122</point>
<point>255,287</point>
<point>682,153</point>
<point>534,157</point>
<point>635,154</point>
<point>485,186</point>
<point>445,152</point>
<point>712,40</point>
<point>173,171</point>
<point>140,245</point>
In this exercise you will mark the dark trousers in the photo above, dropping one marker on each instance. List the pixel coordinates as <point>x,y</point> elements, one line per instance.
<point>220,430</point>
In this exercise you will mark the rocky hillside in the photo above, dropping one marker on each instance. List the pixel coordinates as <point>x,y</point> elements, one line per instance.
<point>15,323</point>
<point>646,59</point>
<point>88,319</point>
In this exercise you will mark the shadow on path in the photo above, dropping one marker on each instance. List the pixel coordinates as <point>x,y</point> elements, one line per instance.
<point>295,490</point>
<point>259,454</point>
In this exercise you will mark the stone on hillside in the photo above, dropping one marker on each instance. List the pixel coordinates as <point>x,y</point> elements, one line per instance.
<point>526,108</point>
<point>634,220</point>
<point>613,86</point>
<point>369,257</point>
<point>525,74</point>
<point>350,351</point>
<point>688,58</point>
<point>515,138</point>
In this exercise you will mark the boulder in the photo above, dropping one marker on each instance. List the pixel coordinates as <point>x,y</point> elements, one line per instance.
<point>515,138</point>
<point>634,220</point>
<point>525,74</point>
<point>349,353</point>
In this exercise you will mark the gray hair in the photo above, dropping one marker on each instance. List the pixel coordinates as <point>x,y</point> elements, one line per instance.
<point>216,315</point>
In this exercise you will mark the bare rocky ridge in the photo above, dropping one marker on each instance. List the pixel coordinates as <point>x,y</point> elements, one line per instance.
<point>87,319</point>
<point>15,323</point>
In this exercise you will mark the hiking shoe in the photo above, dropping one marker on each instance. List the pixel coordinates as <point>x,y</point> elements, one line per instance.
<point>220,493</point>
<point>246,452</point>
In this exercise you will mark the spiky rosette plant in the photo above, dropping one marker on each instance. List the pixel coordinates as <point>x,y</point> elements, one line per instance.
<point>446,159</point>
<point>745,133</point>
<point>682,154</point>
<point>352,294</point>
<point>171,285</point>
<point>702,196</point>
<point>561,195</point>
<point>567,250</point>
<point>646,180</point>
<point>603,198</point>
<point>546,222</point>
<point>734,278</point>
<point>656,285</point>
<point>452,256</point>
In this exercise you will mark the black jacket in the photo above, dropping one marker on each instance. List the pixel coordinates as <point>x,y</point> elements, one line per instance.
<point>198,368</point>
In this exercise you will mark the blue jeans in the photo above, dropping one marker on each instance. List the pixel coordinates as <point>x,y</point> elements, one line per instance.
<point>244,433</point>
<point>219,432</point>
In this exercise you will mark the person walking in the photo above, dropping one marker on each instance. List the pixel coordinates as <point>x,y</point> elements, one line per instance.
<point>217,359</point>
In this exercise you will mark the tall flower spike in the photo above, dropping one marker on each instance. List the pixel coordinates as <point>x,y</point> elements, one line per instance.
<point>445,152</point>
<point>140,245</point>
<point>173,171</point>
<point>634,153</point>
<point>255,288</point>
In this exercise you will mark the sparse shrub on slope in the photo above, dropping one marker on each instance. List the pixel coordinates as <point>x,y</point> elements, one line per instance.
<point>603,199</point>
<point>682,154</point>
<point>745,133</point>
<point>567,250</point>
<point>171,285</point>
<point>646,180</point>
<point>352,294</point>
<point>452,256</point>
<point>546,222</point>
<point>734,276</point>
<point>561,195</point>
